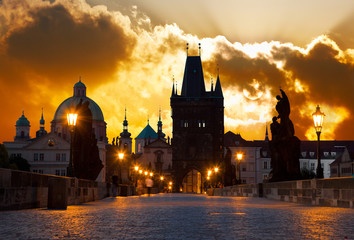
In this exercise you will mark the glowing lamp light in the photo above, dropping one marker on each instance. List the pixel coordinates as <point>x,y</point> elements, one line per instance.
<point>318,119</point>
<point>209,173</point>
<point>169,187</point>
<point>140,171</point>
<point>162,178</point>
<point>136,168</point>
<point>146,173</point>
<point>120,156</point>
<point>170,183</point>
<point>239,156</point>
<point>72,117</point>
<point>208,177</point>
<point>216,169</point>
<point>151,174</point>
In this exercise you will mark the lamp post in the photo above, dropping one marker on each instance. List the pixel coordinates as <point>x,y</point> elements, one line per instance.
<point>318,117</point>
<point>239,158</point>
<point>72,117</point>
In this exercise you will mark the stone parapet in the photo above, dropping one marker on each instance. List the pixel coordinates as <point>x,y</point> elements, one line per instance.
<point>334,192</point>
<point>22,190</point>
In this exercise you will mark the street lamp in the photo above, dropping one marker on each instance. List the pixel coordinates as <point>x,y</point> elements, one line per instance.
<point>72,117</point>
<point>121,156</point>
<point>318,117</point>
<point>239,158</point>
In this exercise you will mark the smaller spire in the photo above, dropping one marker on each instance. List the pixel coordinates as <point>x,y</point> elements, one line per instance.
<point>173,87</point>
<point>266,134</point>
<point>160,113</point>
<point>176,87</point>
<point>212,83</point>
<point>23,112</point>
<point>125,114</point>
<point>80,78</point>
<point>148,120</point>
<point>187,48</point>
<point>199,49</point>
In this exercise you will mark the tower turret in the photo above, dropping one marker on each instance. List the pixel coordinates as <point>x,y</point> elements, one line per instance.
<point>41,132</point>
<point>22,128</point>
<point>125,138</point>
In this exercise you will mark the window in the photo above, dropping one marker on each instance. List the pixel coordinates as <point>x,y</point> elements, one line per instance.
<point>333,154</point>
<point>305,164</point>
<point>203,123</point>
<point>312,154</point>
<point>41,157</point>
<point>185,123</point>
<point>334,170</point>
<point>243,169</point>
<point>346,170</point>
<point>303,154</point>
<point>57,157</point>
<point>63,157</point>
<point>312,166</point>
<point>265,177</point>
<point>326,154</point>
<point>243,180</point>
<point>57,172</point>
<point>40,171</point>
<point>35,170</point>
<point>265,165</point>
<point>35,157</point>
<point>62,173</point>
<point>139,147</point>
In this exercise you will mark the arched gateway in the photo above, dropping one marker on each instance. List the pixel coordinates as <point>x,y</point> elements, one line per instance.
<point>192,182</point>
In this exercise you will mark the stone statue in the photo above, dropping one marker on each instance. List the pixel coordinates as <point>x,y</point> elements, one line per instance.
<point>285,147</point>
<point>87,163</point>
<point>113,141</point>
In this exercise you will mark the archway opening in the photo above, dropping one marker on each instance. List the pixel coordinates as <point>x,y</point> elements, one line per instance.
<point>192,182</point>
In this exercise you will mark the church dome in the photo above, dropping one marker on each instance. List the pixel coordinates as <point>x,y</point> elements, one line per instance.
<point>22,121</point>
<point>79,94</point>
<point>65,106</point>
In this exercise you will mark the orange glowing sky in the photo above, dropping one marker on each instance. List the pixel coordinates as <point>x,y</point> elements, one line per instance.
<point>127,53</point>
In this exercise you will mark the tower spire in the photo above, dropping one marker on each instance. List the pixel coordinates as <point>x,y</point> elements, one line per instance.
<point>266,134</point>
<point>212,84</point>
<point>173,87</point>
<point>187,48</point>
<point>199,49</point>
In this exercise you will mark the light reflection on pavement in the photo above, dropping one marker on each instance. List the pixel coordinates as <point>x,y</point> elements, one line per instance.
<point>180,216</point>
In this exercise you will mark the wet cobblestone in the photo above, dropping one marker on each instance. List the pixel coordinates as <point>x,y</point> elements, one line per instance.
<point>180,216</point>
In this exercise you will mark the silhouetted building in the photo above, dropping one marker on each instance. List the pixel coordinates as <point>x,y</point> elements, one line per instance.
<point>198,128</point>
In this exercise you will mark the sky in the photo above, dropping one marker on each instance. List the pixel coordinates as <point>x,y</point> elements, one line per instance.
<point>128,53</point>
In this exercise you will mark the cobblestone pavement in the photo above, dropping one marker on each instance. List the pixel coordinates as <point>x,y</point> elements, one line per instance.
<point>180,216</point>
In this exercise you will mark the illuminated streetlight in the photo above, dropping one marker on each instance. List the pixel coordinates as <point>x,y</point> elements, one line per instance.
<point>162,178</point>
<point>120,156</point>
<point>239,158</point>
<point>151,174</point>
<point>140,171</point>
<point>170,183</point>
<point>146,173</point>
<point>318,117</point>
<point>209,173</point>
<point>216,169</point>
<point>72,117</point>
<point>136,168</point>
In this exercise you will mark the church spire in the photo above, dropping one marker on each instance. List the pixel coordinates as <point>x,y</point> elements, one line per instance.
<point>160,134</point>
<point>125,133</point>
<point>266,134</point>
<point>173,87</point>
<point>218,90</point>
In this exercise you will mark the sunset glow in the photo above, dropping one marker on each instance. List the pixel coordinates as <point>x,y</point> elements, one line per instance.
<point>128,54</point>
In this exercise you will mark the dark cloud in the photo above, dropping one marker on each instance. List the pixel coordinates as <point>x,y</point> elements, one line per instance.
<point>57,45</point>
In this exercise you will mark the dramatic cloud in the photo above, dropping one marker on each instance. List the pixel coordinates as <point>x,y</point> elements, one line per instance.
<point>126,61</point>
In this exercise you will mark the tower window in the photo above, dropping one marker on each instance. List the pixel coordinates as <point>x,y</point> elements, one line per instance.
<point>35,157</point>
<point>57,158</point>
<point>185,123</point>
<point>41,157</point>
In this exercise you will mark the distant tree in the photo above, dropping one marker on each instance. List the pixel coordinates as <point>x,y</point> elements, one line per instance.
<point>19,163</point>
<point>307,174</point>
<point>4,157</point>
